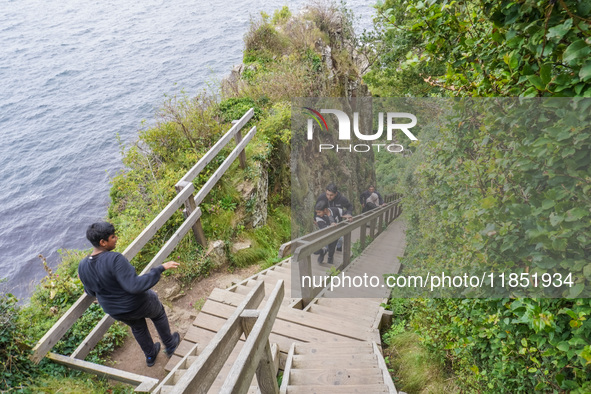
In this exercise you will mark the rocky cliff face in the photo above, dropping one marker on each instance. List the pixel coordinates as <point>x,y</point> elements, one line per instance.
<point>311,54</point>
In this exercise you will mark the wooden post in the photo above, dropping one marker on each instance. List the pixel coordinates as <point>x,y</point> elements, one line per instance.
<point>372,228</point>
<point>362,231</point>
<point>242,156</point>
<point>306,270</point>
<point>380,224</point>
<point>347,250</point>
<point>257,347</point>
<point>190,207</point>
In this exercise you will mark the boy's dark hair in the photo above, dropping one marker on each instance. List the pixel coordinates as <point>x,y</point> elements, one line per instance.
<point>332,188</point>
<point>97,231</point>
<point>321,205</point>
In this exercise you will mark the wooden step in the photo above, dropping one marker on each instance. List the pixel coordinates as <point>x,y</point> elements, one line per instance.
<point>351,349</point>
<point>330,361</point>
<point>341,314</point>
<point>336,377</point>
<point>356,306</point>
<point>302,320</point>
<point>348,389</point>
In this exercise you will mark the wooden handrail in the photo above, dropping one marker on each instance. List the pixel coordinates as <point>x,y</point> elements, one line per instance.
<point>256,352</point>
<point>256,325</point>
<point>46,343</point>
<point>308,244</point>
<point>200,375</point>
<point>215,177</point>
<point>208,157</point>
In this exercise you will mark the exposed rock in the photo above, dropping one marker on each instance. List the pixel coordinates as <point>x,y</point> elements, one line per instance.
<point>172,291</point>
<point>237,246</point>
<point>256,192</point>
<point>217,252</point>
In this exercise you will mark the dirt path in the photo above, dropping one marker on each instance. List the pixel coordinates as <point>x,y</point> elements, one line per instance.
<point>181,312</point>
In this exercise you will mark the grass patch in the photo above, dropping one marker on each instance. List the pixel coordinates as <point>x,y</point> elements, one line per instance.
<point>413,368</point>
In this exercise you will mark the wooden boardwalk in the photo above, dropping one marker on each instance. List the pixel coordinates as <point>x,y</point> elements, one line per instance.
<point>332,345</point>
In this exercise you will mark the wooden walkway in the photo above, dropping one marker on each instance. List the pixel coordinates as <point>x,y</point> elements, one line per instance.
<point>332,345</point>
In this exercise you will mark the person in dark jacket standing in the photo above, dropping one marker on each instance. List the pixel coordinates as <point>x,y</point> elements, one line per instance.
<point>123,294</point>
<point>335,199</point>
<point>365,196</point>
<point>326,217</point>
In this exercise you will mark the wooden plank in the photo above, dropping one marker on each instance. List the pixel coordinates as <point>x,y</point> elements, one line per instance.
<point>349,350</point>
<point>222,142</point>
<point>173,241</point>
<point>144,383</point>
<point>204,336</point>
<point>348,389</point>
<point>179,366</point>
<point>284,250</point>
<point>347,250</point>
<point>287,370</point>
<point>384,368</point>
<point>329,361</point>
<point>336,376</point>
<point>211,182</point>
<point>93,337</point>
<point>339,326</point>
<point>58,330</point>
<point>255,356</point>
<point>201,374</point>
<point>190,207</point>
<point>103,326</point>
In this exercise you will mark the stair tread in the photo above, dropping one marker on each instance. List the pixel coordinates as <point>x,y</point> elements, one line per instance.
<point>330,389</point>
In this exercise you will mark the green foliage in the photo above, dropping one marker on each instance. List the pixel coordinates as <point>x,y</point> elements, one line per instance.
<point>483,190</point>
<point>509,345</point>
<point>15,367</point>
<point>281,15</point>
<point>494,187</point>
<point>413,367</point>
<point>22,327</point>
<point>234,108</point>
<point>266,240</point>
<point>489,48</point>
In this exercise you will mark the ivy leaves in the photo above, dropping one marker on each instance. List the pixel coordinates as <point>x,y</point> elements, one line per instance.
<point>523,48</point>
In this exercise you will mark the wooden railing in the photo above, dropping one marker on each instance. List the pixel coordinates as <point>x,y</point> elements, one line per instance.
<point>305,246</point>
<point>184,197</point>
<point>255,356</point>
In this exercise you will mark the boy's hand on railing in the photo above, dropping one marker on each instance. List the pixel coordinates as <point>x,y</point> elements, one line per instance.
<point>170,264</point>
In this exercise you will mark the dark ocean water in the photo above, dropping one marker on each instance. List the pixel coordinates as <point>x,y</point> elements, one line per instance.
<point>75,75</point>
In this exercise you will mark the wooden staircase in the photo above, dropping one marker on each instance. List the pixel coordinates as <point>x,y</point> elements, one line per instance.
<point>313,368</point>
<point>329,346</point>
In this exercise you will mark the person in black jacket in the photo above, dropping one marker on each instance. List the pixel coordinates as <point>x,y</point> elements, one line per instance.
<point>326,217</point>
<point>369,203</point>
<point>335,199</point>
<point>123,294</point>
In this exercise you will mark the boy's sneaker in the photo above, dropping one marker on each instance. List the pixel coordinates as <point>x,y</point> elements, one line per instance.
<point>330,259</point>
<point>150,361</point>
<point>177,340</point>
<point>321,256</point>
